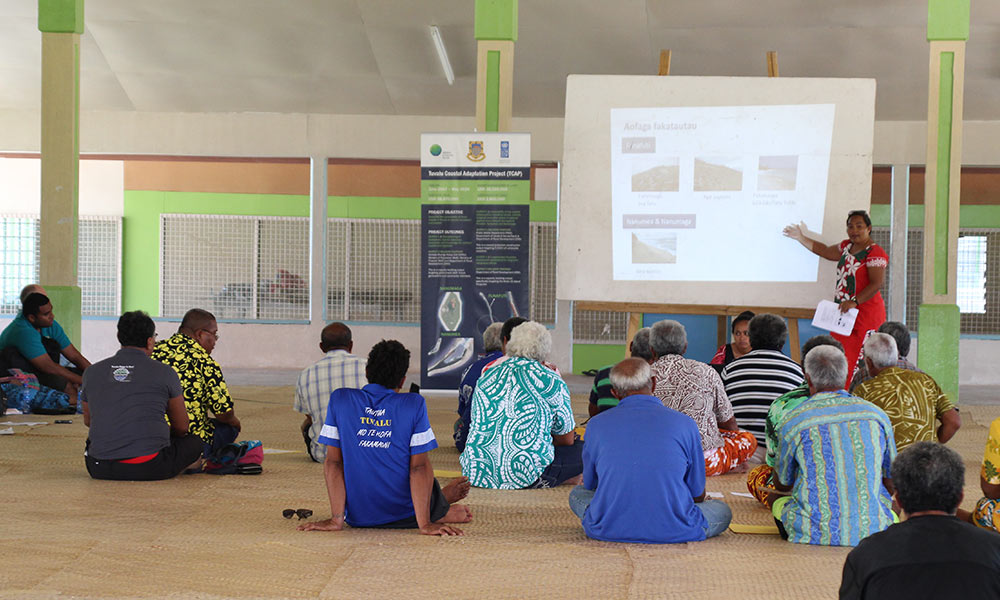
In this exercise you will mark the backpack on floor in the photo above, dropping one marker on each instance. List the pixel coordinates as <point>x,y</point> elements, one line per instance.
<point>239,458</point>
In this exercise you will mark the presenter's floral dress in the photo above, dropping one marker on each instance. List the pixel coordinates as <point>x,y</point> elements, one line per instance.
<point>852,277</point>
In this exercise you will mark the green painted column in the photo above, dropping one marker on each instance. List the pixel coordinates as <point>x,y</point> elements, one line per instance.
<point>940,321</point>
<point>496,32</point>
<point>61,23</point>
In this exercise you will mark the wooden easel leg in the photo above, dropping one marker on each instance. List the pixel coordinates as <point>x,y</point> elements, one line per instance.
<point>793,339</point>
<point>634,325</point>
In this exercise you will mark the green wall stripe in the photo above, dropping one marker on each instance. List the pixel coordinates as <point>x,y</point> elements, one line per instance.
<point>595,356</point>
<point>205,203</point>
<point>543,212</point>
<point>372,207</point>
<point>141,231</point>
<point>945,98</point>
<point>141,251</point>
<point>970,215</point>
<point>492,90</point>
<point>377,207</point>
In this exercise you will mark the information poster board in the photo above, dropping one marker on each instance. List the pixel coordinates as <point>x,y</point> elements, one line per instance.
<point>474,245</point>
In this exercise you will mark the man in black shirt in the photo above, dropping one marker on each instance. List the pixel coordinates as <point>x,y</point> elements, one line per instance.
<point>932,554</point>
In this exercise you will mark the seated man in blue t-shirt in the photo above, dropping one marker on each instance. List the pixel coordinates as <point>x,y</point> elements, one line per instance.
<point>644,470</point>
<point>23,344</point>
<point>378,472</point>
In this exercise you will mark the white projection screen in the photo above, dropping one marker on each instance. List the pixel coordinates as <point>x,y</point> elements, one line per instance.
<point>675,190</point>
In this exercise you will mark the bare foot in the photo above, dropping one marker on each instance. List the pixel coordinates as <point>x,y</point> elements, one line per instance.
<point>456,490</point>
<point>740,468</point>
<point>457,513</point>
<point>578,480</point>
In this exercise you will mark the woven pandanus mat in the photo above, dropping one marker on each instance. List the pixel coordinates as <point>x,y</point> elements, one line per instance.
<point>205,536</point>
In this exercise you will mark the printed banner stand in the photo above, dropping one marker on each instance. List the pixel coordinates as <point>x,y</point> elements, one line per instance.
<point>475,189</point>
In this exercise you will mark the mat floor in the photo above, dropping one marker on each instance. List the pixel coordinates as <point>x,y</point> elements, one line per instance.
<point>205,536</point>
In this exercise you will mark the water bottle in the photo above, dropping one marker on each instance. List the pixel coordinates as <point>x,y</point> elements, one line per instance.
<point>79,405</point>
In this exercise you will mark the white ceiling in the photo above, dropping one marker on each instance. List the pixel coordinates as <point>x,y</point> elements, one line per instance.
<point>376,56</point>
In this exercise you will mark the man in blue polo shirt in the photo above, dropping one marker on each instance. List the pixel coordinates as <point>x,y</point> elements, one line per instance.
<point>644,470</point>
<point>34,340</point>
<point>378,472</point>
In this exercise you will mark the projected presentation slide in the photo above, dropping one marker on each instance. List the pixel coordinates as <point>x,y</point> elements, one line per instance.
<point>702,193</point>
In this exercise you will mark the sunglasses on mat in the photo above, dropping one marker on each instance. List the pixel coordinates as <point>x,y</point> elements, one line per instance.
<point>302,513</point>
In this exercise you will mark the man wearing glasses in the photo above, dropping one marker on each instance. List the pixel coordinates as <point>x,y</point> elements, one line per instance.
<point>189,352</point>
<point>125,398</point>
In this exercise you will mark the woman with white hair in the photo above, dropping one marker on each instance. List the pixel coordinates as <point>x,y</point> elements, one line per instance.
<point>521,434</point>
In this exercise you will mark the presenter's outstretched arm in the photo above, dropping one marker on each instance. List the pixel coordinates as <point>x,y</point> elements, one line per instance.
<point>797,231</point>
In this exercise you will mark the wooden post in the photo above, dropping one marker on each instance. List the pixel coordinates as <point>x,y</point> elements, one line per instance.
<point>721,330</point>
<point>793,339</point>
<point>634,325</point>
<point>664,62</point>
<point>772,63</point>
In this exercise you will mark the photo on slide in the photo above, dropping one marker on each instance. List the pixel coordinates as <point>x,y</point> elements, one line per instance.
<point>654,247</point>
<point>718,174</point>
<point>777,173</point>
<point>663,175</point>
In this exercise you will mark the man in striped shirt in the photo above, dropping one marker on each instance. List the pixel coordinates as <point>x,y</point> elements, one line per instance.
<point>755,379</point>
<point>835,453</point>
<point>338,369</point>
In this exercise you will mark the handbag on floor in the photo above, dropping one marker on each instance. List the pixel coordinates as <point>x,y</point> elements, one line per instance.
<point>238,458</point>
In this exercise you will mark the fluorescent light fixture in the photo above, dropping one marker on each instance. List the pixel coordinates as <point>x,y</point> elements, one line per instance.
<point>442,55</point>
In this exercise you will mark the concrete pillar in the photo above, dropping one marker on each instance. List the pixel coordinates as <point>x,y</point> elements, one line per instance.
<point>61,23</point>
<point>496,32</point>
<point>937,351</point>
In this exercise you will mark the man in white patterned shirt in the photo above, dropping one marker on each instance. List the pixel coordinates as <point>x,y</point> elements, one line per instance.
<point>338,369</point>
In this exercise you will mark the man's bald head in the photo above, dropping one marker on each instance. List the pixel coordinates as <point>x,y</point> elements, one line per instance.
<point>32,288</point>
<point>197,318</point>
<point>336,336</point>
<point>631,376</point>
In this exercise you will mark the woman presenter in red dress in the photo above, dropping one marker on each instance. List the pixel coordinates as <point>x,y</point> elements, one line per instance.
<point>861,266</point>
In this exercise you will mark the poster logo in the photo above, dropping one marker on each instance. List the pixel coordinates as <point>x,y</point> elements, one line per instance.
<point>504,149</point>
<point>476,152</point>
<point>435,150</point>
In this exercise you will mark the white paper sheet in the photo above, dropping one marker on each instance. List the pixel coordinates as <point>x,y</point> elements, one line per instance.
<point>829,317</point>
<point>743,494</point>
<point>27,423</point>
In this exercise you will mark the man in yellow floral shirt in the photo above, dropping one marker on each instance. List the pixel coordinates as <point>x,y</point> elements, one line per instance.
<point>987,513</point>
<point>913,401</point>
<point>189,353</point>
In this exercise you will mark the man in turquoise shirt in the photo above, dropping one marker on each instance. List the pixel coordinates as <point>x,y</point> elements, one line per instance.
<point>23,344</point>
